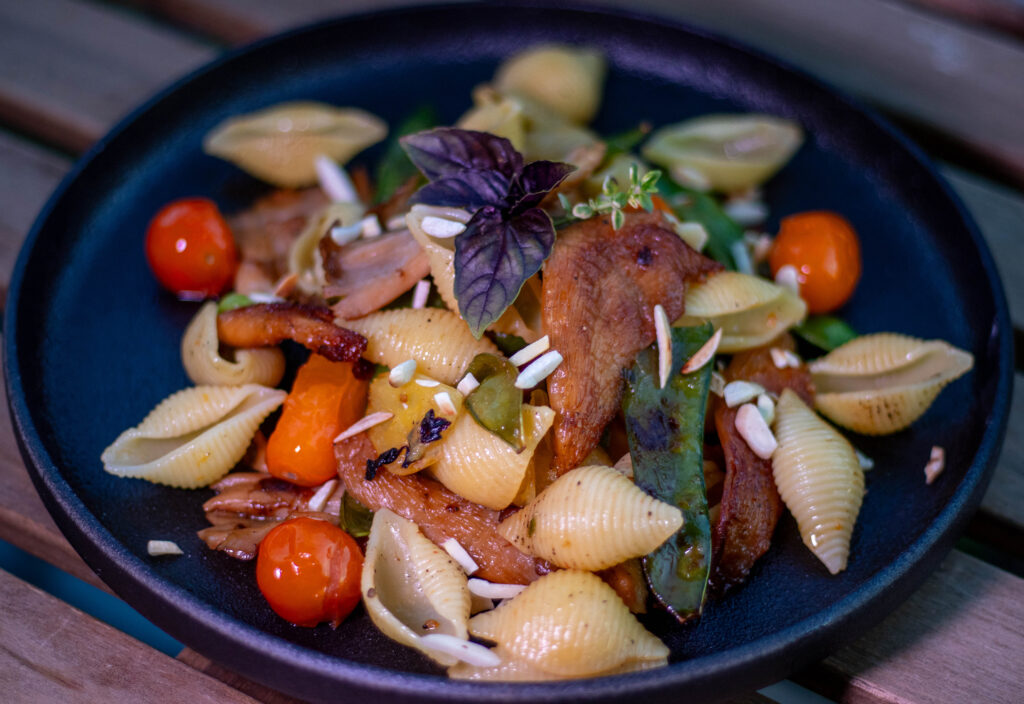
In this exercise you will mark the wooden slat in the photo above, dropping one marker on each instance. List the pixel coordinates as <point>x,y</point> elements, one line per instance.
<point>51,652</point>
<point>957,639</point>
<point>903,58</point>
<point>69,70</point>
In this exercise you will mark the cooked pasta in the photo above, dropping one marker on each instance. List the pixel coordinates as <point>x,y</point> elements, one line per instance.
<point>204,364</point>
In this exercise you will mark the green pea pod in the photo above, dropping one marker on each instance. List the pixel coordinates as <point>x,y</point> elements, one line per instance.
<point>497,404</point>
<point>355,518</point>
<point>394,168</point>
<point>825,331</point>
<point>693,206</point>
<point>232,301</point>
<point>666,441</point>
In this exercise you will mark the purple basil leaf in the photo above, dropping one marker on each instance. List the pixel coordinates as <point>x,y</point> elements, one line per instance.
<point>445,150</point>
<point>494,257</point>
<point>537,179</point>
<point>467,189</point>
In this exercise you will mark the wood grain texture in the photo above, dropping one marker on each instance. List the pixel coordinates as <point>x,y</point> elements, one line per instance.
<point>903,58</point>
<point>51,652</point>
<point>957,639</point>
<point>69,70</point>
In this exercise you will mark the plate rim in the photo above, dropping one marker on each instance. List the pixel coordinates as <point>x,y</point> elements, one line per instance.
<point>123,570</point>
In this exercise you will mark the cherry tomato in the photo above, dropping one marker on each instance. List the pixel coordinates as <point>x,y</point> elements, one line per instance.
<point>309,572</point>
<point>824,250</point>
<point>325,399</point>
<point>190,249</point>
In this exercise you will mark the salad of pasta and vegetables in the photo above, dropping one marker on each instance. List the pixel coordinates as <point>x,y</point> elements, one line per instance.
<point>551,380</point>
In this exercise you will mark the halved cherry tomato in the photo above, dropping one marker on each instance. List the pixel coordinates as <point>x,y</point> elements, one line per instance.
<point>309,571</point>
<point>190,249</point>
<point>823,248</point>
<point>325,399</point>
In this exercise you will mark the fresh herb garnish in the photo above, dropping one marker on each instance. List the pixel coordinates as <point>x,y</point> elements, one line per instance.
<point>624,142</point>
<point>509,236</point>
<point>691,205</point>
<point>613,199</point>
<point>825,331</point>
<point>394,168</point>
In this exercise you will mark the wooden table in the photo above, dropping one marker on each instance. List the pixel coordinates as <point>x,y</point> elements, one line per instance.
<point>950,71</point>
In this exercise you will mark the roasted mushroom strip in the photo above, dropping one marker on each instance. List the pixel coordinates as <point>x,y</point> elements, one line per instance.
<point>268,324</point>
<point>440,513</point>
<point>600,288</point>
<point>750,505</point>
<point>370,273</point>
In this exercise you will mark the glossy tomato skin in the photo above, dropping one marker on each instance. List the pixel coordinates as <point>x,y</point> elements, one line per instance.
<point>190,249</point>
<point>308,571</point>
<point>823,248</point>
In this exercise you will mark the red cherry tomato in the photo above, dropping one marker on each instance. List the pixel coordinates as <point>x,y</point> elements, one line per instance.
<point>190,249</point>
<point>309,571</point>
<point>823,248</point>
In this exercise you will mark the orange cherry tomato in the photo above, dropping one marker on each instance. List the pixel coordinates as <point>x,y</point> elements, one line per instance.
<point>325,399</point>
<point>309,571</point>
<point>190,249</point>
<point>824,250</point>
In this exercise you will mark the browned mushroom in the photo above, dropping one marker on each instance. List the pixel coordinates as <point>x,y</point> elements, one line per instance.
<point>268,324</point>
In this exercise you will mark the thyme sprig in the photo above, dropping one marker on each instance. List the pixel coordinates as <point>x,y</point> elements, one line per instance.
<point>613,200</point>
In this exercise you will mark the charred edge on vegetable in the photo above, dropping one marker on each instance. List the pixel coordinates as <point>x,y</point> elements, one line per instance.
<point>430,429</point>
<point>386,457</point>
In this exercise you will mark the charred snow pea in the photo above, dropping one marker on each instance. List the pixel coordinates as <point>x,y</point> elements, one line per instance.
<point>666,439</point>
<point>497,404</point>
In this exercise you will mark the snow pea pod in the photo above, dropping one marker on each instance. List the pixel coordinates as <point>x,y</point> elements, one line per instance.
<point>665,428</point>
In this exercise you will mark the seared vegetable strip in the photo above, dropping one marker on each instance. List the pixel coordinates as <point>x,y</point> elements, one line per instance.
<point>267,324</point>
<point>666,441</point>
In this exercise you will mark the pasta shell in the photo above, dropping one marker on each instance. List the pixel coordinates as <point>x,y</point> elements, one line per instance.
<point>733,152</point>
<point>408,405</point>
<point>591,518</point>
<point>411,587</point>
<point>498,114</point>
<point>304,258</point>
<point>569,624</point>
<point>193,437</point>
<point>279,144</point>
<point>819,478</point>
<point>200,355</point>
<point>439,340</point>
<point>522,318</point>
<point>478,465</point>
<point>749,310</point>
<point>881,383</point>
<point>568,80</point>
<point>512,669</point>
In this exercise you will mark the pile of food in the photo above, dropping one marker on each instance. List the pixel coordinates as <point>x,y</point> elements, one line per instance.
<point>546,368</point>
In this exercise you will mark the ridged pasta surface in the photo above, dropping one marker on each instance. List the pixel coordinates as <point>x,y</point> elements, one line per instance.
<point>478,465</point>
<point>200,355</point>
<point>570,624</point>
<point>591,518</point>
<point>439,340</point>
<point>819,478</point>
<point>513,669</point>
<point>194,437</point>
<point>748,310</point>
<point>411,587</point>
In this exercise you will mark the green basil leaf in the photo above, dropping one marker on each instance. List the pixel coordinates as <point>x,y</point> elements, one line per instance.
<point>825,331</point>
<point>395,168</point>
<point>497,404</point>
<point>694,206</point>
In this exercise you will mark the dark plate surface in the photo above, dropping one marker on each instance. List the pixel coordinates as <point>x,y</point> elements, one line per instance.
<point>92,343</point>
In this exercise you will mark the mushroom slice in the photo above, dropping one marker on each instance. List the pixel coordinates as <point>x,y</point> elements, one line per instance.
<point>193,437</point>
<point>266,324</point>
<point>881,383</point>
<point>569,624</point>
<point>599,291</point>
<point>749,310</point>
<point>819,478</point>
<point>279,144</point>
<point>411,587</point>
<point>591,518</point>
<point>733,152</point>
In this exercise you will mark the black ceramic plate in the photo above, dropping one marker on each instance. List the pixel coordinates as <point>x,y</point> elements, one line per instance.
<point>92,343</point>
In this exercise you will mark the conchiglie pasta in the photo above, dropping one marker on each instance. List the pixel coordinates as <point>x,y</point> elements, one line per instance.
<point>513,669</point>
<point>200,355</point>
<point>411,587</point>
<point>569,624</point>
<point>439,340</point>
<point>748,310</point>
<point>193,437</point>
<point>481,467</point>
<point>819,478</point>
<point>591,518</point>
<point>304,259</point>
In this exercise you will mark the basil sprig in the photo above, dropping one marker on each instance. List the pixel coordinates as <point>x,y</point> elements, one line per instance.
<point>509,236</point>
